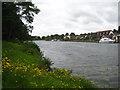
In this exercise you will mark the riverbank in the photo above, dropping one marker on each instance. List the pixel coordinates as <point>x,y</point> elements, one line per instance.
<point>25,67</point>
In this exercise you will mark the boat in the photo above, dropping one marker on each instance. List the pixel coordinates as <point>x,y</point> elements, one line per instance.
<point>106,40</point>
<point>52,40</point>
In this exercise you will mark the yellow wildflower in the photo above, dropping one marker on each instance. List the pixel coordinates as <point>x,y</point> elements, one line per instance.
<point>6,57</point>
<point>8,64</point>
<point>17,68</point>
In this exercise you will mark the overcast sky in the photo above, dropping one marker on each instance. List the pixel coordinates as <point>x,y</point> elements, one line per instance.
<point>62,16</point>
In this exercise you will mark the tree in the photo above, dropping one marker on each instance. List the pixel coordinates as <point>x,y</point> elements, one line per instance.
<point>115,31</point>
<point>72,34</point>
<point>52,36</point>
<point>119,29</point>
<point>48,38</point>
<point>43,37</point>
<point>12,24</point>
<point>56,36</point>
<point>67,34</point>
<point>61,36</point>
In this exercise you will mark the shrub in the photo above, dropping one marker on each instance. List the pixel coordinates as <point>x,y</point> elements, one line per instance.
<point>46,63</point>
<point>31,45</point>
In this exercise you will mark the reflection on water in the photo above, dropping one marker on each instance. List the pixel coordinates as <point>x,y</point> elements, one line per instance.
<point>94,61</point>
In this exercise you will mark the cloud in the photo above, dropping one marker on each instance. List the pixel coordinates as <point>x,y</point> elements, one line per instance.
<point>61,16</point>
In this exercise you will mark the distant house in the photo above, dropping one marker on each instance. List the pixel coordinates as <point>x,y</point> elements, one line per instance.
<point>83,36</point>
<point>66,37</point>
<point>72,37</point>
<point>96,35</point>
<point>92,35</point>
<point>77,36</point>
<point>109,34</point>
<point>105,33</point>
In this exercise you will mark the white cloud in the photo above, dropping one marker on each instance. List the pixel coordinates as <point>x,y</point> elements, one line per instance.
<point>61,16</point>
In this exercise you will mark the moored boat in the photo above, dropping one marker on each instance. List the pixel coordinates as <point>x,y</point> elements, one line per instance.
<point>106,40</point>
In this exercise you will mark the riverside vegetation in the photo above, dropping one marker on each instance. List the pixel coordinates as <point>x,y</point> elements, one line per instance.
<point>23,66</point>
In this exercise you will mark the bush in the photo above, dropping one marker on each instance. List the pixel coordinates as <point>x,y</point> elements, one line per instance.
<point>32,48</point>
<point>31,45</point>
<point>46,63</point>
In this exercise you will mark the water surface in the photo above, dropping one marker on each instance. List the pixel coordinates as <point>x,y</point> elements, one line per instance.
<point>97,62</point>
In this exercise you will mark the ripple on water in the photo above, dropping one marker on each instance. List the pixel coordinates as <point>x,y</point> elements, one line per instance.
<point>94,61</point>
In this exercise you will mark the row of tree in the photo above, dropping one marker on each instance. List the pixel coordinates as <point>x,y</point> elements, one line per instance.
<point>53,37</point>
<point>62,36</point>
<point>13,15</point>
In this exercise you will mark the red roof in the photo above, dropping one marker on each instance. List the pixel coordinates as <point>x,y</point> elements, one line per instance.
<point>105,31</point>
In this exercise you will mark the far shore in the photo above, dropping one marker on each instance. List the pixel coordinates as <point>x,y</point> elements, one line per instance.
<point>74,41</point>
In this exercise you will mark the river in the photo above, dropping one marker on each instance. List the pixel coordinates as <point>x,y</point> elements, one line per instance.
<point>97,62</point>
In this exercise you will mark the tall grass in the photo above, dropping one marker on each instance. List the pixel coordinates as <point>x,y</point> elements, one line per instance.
<point>25,67</point>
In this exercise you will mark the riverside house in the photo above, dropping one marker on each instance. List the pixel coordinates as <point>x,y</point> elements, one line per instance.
<point>99,34</point>
<point>67,37</point>
<point>106,33</point>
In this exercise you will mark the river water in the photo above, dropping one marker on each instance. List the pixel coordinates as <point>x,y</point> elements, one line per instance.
<point>97,62</point>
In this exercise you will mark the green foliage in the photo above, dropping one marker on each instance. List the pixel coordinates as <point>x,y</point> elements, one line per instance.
<point>47,38</point>
<point>46,63</point>
<point>67,34</point>
<point>23,70</point>
<point>72,34</point>
<point>12,24</point>
<point>31,45</point>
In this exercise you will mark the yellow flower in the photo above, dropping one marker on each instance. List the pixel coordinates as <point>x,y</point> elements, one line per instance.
<point>8,64</point>
<point>35,69</point>
<point>17,68</point>
<point>28,66</point>
<point>6,57</point>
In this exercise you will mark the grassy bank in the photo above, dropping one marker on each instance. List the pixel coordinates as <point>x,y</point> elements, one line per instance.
<point>25,67</point>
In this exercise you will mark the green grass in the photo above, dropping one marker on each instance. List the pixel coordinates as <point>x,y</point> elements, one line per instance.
<point>25,67</point>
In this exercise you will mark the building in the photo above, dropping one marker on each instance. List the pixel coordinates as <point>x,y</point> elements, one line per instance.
<point>96,35</point>
<point>105,33</point>
<point>66,37</point>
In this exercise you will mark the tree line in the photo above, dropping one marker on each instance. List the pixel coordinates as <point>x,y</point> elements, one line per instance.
<point>13,17</point>
<point>54,37</point>
<point>66,36</point>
